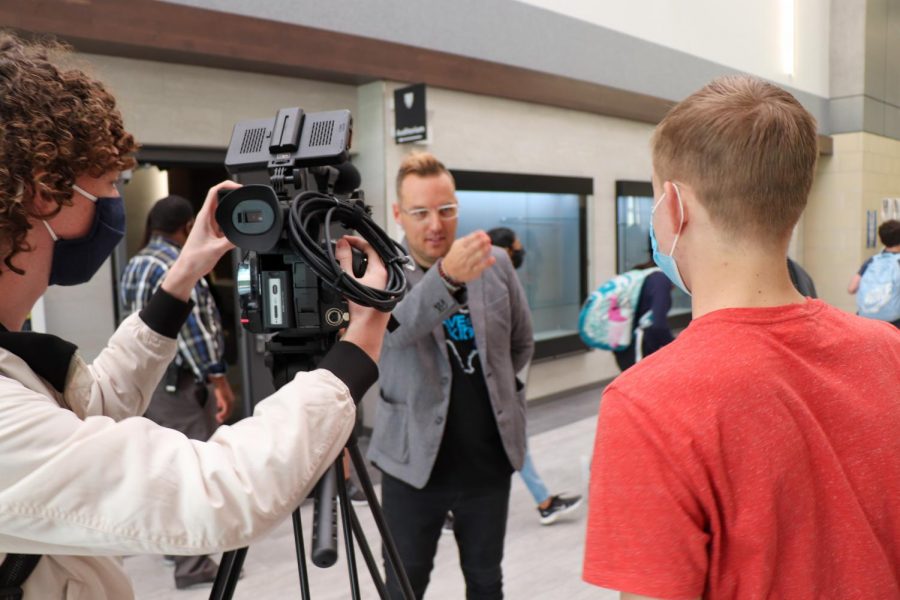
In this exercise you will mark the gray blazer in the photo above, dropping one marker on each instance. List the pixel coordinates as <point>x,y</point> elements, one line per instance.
<point>415,368</point>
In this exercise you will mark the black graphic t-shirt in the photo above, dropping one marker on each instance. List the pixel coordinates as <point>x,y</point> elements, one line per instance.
<point>471,452</point>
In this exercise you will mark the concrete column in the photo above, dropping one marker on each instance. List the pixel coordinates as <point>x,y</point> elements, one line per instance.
<point>369,142</point>
<point>865,67</point>
<point>865,126</point>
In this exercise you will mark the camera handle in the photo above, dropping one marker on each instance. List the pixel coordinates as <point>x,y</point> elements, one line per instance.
<point>285,357</point>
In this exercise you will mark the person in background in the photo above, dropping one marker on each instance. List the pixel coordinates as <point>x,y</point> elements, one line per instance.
<point>655,301</point>
<point>506,238</point>
<point>182,401</point>
<point>757,455</point>
<point>450,422</point>
<point>550,507</point>
<point>889,234</point>
<point>84,478</point>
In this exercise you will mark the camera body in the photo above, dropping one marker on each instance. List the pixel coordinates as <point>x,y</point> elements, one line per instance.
<point>277,159</point>
<point>279,292</point>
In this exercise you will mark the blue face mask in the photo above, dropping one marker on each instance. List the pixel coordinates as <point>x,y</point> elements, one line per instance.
<point>76,261</point>
<point>666,262</point>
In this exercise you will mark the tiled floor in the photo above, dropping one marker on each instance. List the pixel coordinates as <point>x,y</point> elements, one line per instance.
<point>539,563</point>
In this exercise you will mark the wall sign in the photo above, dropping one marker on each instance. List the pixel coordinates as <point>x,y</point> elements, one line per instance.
<point>890,209</point>
<point>409,114</point>
<point>871,227</point>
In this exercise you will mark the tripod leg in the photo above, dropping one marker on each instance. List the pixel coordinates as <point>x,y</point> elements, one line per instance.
<point>386,538</point>
<point>368,556</point>
<point>348,534</point>
<point>301,554</point>
<point>228,574</point>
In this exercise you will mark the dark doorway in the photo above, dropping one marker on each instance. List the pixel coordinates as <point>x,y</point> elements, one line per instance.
<point>189,173</point>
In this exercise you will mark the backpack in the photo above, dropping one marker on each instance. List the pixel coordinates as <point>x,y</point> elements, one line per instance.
<point>607,319</point>
<point>878,296</point>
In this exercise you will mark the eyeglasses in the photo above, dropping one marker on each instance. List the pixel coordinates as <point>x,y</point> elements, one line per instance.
<point>447,212</point>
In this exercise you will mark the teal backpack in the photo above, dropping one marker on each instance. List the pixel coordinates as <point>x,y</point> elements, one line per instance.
<point>878,296</point>
<point>607,320</point>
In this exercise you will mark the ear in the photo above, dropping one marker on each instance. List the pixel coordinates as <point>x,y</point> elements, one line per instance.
<point>396,208</point>
<point>40,206</point>
<point>676,203</point>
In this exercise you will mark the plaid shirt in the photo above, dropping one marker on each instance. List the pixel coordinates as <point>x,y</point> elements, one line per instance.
<point>201,345</point>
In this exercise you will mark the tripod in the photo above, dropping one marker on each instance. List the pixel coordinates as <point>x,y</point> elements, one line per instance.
<point>285,357</point>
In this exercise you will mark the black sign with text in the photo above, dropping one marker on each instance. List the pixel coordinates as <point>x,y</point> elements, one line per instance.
<point>409,112</point>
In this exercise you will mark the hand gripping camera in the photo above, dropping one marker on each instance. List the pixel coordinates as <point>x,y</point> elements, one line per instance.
<point>300,195</point>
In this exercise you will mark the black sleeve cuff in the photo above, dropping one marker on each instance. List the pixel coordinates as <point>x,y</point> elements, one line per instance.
<point>165,314</point>
<point>352,366</point>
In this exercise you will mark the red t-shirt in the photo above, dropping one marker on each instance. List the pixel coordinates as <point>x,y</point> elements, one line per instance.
<point>757,456</point>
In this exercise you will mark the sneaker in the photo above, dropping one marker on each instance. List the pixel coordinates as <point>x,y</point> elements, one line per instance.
<point>356,495</point>
<point>447,527</point>
<point>204,576</point>
<point>559,505</point>
<point>191,581</point>
<point>199,580</point>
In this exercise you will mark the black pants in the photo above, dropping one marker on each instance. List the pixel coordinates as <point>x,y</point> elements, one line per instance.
<point>625,358</point>
<point>415,517</point>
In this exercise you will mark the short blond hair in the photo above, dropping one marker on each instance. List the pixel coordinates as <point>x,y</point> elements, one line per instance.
<point>747,148</point>
<point>421,164</point>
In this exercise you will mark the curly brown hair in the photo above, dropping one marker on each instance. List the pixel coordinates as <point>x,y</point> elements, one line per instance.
<point>56,124</point>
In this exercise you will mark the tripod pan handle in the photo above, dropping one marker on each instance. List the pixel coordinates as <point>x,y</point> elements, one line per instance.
<point>324,533</point>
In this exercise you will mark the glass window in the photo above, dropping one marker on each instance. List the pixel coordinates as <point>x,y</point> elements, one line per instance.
<point>549,221</point>
<point>549,229</point>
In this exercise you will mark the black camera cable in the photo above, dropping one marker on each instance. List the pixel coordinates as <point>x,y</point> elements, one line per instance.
<point>312,211</point>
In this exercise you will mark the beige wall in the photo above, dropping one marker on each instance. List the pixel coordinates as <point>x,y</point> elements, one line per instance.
<point>491,134</point>
<point>863,169</point>
<point>181,105</point>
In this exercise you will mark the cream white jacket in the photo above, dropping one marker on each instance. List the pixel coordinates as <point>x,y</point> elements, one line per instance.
<point>83,480</point>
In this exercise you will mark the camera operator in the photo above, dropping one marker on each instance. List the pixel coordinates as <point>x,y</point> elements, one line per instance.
<point>81,482</point>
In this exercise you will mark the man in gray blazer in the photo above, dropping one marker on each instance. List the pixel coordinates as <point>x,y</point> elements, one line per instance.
<point>450,423</point>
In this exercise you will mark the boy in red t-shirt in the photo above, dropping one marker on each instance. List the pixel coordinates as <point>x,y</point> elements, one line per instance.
<point>758,455</point>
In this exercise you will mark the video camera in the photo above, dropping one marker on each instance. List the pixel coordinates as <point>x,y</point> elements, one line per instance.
<point>300,194</point>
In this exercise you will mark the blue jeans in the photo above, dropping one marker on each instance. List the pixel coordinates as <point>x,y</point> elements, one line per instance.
<point>532,480</point>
